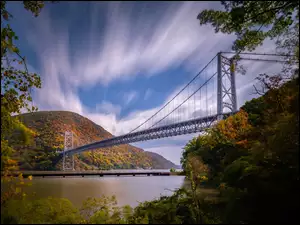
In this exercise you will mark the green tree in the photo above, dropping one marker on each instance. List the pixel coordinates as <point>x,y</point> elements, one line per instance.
<point>16,85</point>
<point>192,146</point>
<point>16,82</point>
<point>104,210</point>
<point>253,22</point>
<point>41,211</point>
<point>256,166</point>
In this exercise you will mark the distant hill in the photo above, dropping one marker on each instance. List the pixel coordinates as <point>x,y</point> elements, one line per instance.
<point>50,126</point>
<point>160,162</point>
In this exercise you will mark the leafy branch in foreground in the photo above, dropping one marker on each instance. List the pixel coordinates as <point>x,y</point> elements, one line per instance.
<point>16,81</point>
<point>16,85</point>
<point>244,18</point>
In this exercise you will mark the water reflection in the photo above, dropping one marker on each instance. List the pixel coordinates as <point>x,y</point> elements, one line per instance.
<point>128,190</point>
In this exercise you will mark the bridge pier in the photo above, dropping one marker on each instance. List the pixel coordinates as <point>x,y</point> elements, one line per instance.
<point>67,159</point>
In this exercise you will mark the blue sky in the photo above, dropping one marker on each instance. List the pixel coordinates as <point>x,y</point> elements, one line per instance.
<point>117,63</point>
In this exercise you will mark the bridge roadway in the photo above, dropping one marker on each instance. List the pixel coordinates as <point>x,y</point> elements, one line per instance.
<point>92,173</point>
<point>186,127</point>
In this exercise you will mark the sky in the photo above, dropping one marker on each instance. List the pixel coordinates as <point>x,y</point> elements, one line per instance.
<point>117,63</point>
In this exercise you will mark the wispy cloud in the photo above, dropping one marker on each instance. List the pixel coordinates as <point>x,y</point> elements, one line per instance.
<point>176,39</point>
<point>108,108</point>
<point>148,93</point>
<point>129,97</point>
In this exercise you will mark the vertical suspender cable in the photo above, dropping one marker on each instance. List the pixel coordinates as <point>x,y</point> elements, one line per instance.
<point>206,95</point>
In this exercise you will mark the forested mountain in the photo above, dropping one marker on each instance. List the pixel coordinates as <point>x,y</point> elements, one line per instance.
<point>161,162</point>
<point>49,127</point>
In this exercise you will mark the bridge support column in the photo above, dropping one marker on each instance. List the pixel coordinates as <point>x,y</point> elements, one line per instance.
<point>226,93</point>
<point>68,161</point>
<point>233,87</point>
<point>219,86</point>
<point>73,163</point>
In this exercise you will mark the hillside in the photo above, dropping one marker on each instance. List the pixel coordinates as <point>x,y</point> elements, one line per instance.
<point>49,128</point>
<point>160,162</point>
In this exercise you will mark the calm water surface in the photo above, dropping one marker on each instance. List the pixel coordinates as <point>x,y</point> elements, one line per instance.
<point>127,189</point>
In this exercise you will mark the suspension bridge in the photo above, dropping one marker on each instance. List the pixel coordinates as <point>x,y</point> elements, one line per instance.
<point>200,104</point>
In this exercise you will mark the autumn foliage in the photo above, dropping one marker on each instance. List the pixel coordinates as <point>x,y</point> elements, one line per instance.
<point>253,158</point>
<point>49,128</point>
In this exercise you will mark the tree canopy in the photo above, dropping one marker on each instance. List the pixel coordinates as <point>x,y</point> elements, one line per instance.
<point>16,81</point>
<point>253,21</point>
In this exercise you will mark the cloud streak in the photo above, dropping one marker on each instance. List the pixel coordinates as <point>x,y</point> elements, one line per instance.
<point>148,93</point>
<point>108,108</point>
<point>129,97</point>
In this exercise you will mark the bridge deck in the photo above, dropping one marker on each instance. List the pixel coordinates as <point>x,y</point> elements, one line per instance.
<point>186,127</point>
<point>91,173</point>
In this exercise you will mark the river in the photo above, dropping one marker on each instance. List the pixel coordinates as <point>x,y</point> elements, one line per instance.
<point>127,189</point>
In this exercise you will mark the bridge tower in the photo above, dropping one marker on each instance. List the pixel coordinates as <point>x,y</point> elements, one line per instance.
<point>68,161</point>
<point>226,94</point>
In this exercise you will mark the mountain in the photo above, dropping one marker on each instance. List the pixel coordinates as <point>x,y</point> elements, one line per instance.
<point>160,162</point>
<point>49,128</point>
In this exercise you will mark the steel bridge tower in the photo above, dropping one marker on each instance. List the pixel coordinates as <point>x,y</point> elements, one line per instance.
<point>226,95</point>
<point>68,160</point>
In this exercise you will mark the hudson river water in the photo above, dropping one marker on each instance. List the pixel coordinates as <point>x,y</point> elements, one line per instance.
<point>127,189</point>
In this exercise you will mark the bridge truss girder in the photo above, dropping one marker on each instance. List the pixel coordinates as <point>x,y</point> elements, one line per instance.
<point>186,127</point>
